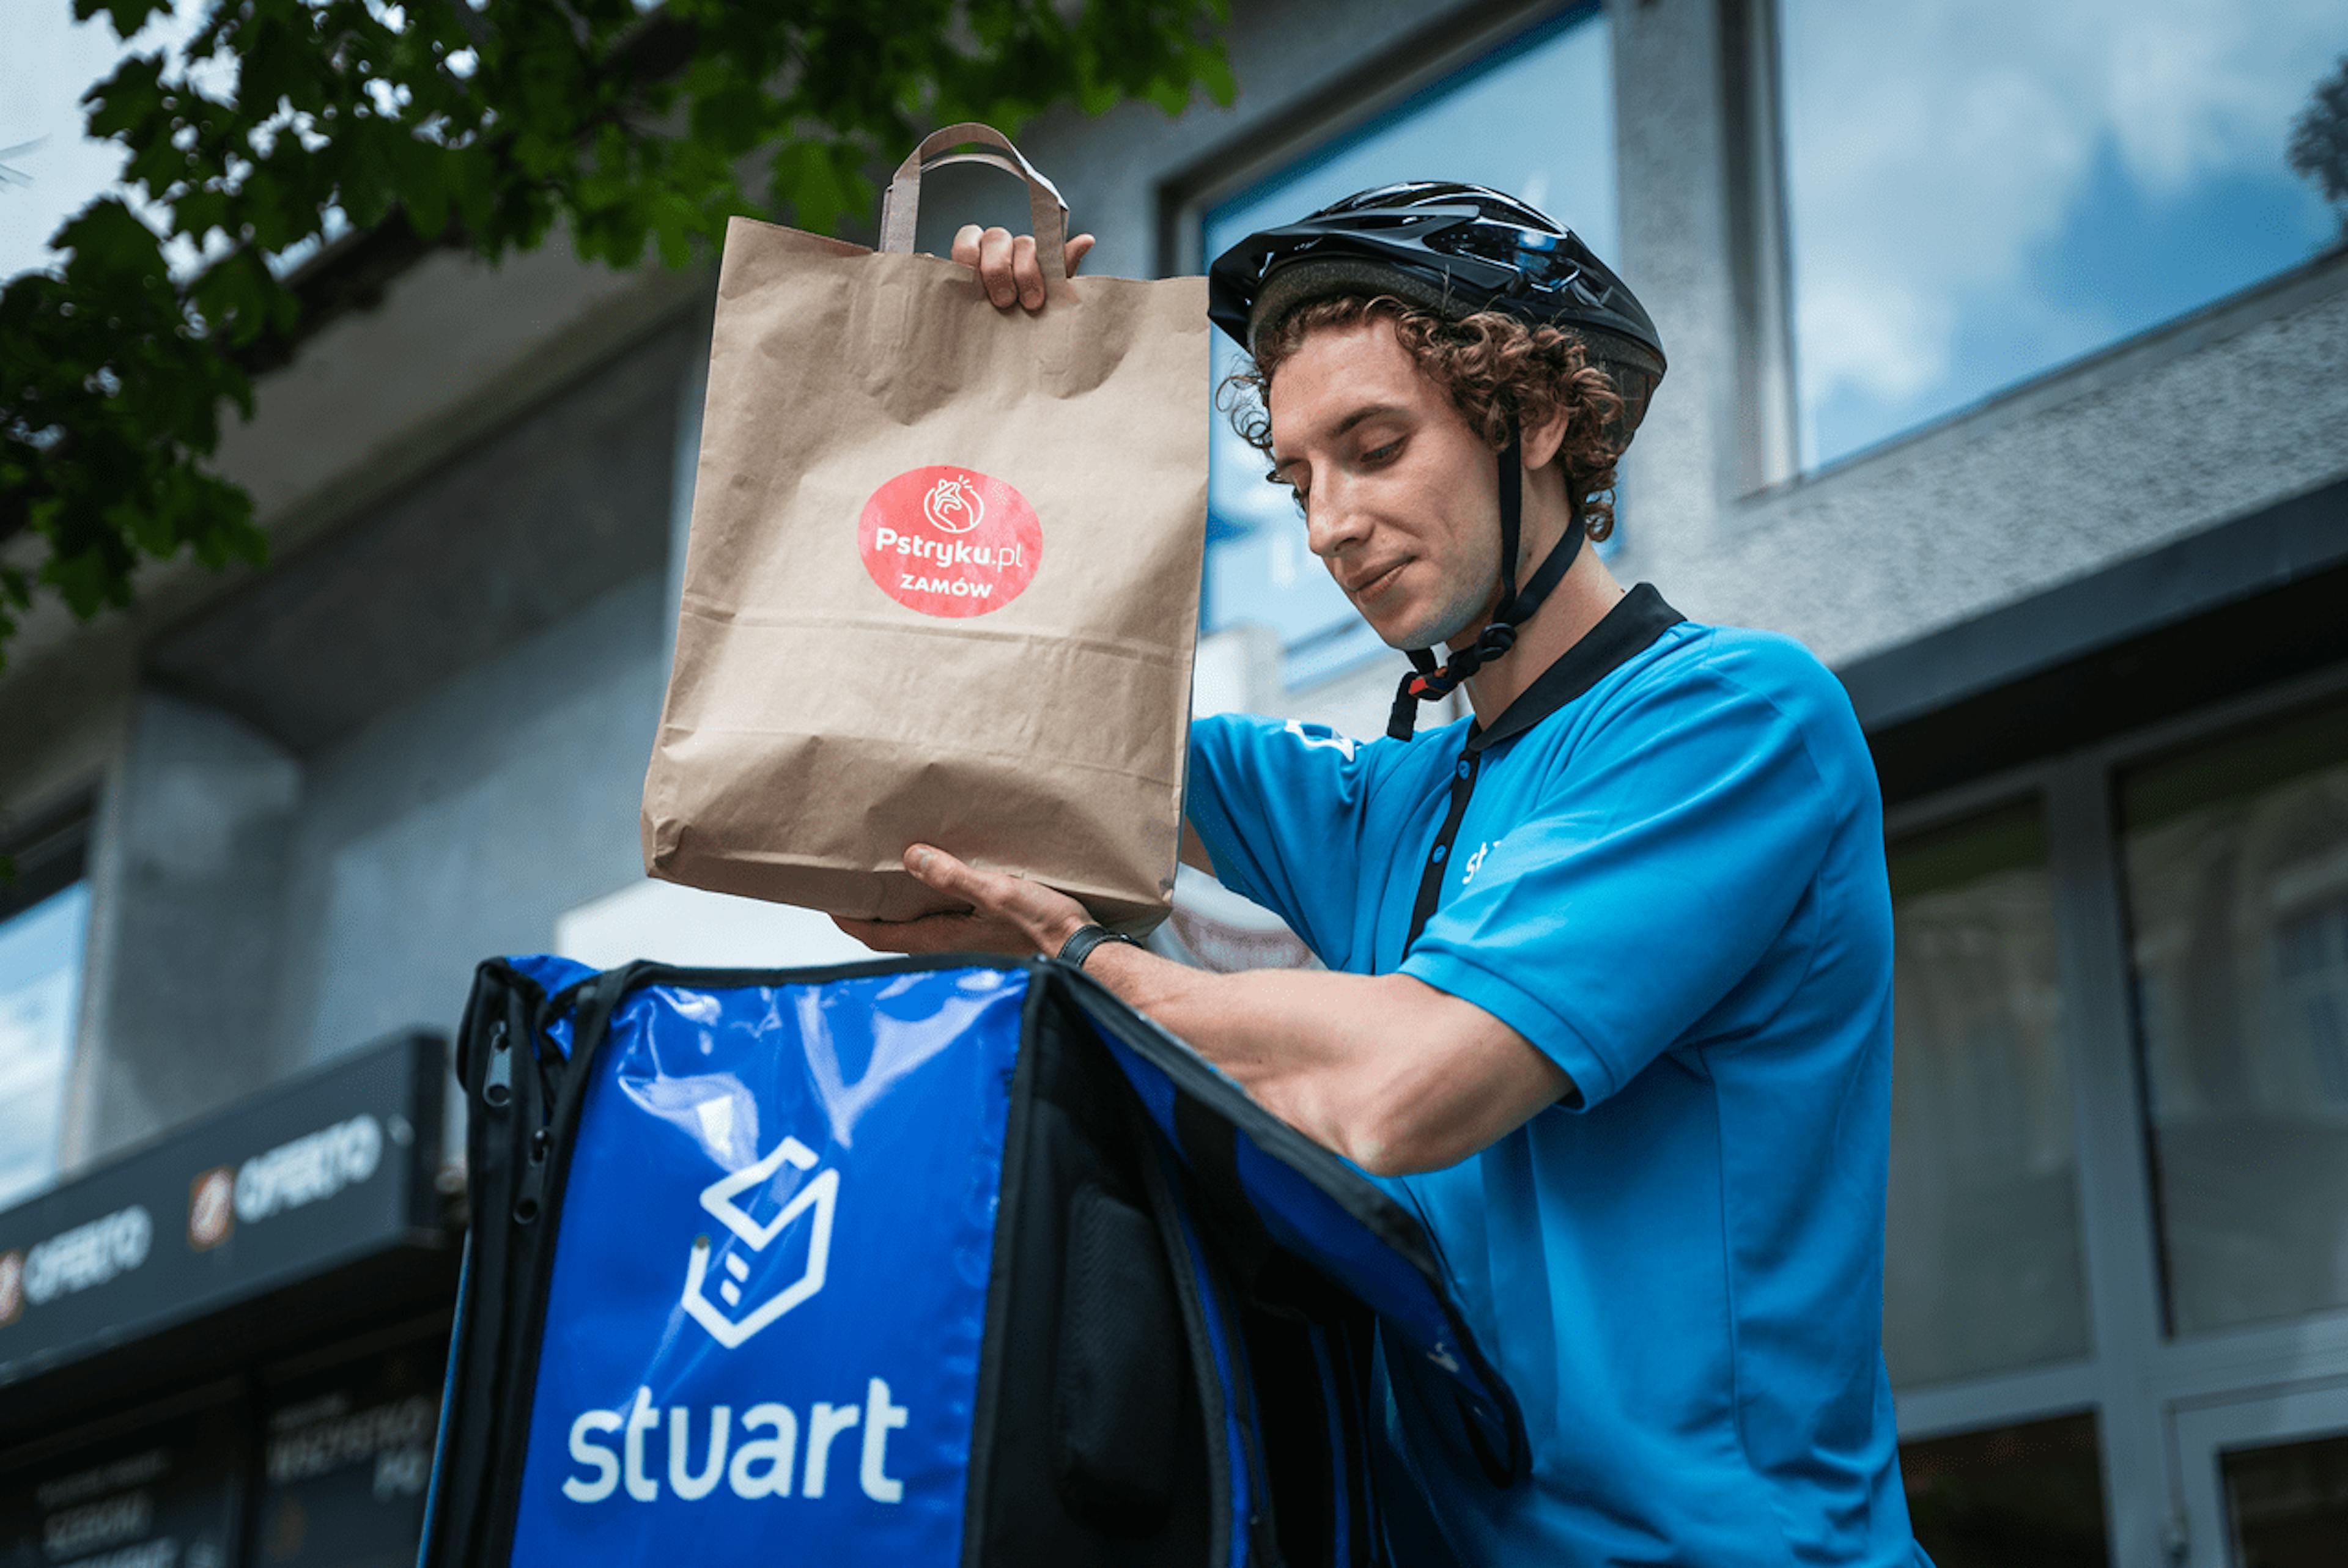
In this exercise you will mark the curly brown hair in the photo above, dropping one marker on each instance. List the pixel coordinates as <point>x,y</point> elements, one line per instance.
<point>1498,370</point>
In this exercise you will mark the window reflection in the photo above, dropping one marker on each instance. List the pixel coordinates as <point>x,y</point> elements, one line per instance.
<point>40,996</point>
<point>1536,120</point>
<point>1981,189</point>
<point>2287,1504</point>
<point>2237,859</point>
<point>1981,1269</point>
<point>2028,1496</point>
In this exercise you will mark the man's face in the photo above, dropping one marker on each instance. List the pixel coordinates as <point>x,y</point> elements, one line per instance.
<point>1401,499</point>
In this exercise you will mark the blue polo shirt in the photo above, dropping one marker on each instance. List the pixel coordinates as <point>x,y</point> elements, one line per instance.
<point>1664,867</point>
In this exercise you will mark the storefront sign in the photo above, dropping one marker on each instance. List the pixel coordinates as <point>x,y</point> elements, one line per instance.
<point>303,1177</point>
<point>160,1491</point>
<point>347,1453</point>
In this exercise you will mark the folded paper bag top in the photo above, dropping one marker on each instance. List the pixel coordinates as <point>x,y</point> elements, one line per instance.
<point>943,581</point>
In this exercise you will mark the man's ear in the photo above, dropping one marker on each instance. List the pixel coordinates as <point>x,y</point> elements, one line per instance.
<point>1542,441</point>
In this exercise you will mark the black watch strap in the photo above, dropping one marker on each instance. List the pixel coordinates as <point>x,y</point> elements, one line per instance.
<point>1081,943</point>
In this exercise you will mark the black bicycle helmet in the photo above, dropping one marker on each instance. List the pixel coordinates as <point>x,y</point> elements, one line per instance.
<point>1454,249</point>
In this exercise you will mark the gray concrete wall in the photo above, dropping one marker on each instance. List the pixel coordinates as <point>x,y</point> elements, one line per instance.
<point>462,825</point>
<point>187,875</point>
<point>254,914</point>
<point>413,744</point>
<point>64,720</point>
<point>504,540</point>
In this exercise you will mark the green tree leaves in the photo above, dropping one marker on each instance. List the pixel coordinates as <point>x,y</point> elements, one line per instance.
<point>2319,141</point>
<point>477,125</point>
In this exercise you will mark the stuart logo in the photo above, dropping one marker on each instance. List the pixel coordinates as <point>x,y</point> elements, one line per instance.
<point>750,1448</point>
<point>954,505</point>
<point>1474,864</point>
<point>726,1323</point>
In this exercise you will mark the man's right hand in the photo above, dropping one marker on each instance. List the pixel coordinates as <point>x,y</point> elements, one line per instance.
<point>1006,264</point>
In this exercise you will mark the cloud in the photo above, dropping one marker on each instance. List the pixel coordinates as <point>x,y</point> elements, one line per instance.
<point>1934,144</point>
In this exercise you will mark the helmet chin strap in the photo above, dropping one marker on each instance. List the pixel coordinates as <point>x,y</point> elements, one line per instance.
<point>1427,681</point>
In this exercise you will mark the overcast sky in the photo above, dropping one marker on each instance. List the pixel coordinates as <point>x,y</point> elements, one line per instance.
<point>48,60</point>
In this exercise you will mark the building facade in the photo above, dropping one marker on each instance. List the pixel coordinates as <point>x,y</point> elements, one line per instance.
<point>2005,354</point>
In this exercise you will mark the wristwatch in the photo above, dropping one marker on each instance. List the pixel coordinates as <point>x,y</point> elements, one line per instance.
<point>1085,938</point>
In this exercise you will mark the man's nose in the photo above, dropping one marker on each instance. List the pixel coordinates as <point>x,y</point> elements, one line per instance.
<point>1331,523</point>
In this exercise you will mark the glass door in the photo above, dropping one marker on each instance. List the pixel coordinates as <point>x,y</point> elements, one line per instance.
<point>2264,1481</point>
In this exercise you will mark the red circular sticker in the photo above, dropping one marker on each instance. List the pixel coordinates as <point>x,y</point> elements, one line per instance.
<point>950,541</point>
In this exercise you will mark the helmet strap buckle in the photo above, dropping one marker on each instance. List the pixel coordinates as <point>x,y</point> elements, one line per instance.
<point>1427,681</point>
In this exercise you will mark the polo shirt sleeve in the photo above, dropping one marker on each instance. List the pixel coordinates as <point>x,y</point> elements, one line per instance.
<point>1280,808</point>
<point>1651,879</point>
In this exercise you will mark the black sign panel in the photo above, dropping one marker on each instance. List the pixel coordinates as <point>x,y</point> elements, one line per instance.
<point>302,1178</point>
<point>345,1454</point>
<point>163,1490</point>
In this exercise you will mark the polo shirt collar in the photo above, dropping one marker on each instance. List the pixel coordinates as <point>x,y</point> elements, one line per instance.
<point>1638,618</point>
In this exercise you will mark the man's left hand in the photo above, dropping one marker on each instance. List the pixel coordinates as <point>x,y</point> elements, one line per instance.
<point>1007,915</point>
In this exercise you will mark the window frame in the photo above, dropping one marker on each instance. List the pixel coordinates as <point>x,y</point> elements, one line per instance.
<point>2143,1384</point>
<point>1766,430</point>
<point>51,849</point>
<point>2207,1432</point>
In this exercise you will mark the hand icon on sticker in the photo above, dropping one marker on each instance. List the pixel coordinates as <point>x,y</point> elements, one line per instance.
<point>954,505</point>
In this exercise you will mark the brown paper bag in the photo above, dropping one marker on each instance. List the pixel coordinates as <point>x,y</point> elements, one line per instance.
<point>942,584</point>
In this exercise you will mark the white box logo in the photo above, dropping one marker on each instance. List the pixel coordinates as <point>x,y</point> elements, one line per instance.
<point>819,1194</point>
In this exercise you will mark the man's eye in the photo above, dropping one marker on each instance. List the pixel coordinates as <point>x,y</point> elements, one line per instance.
<point>1383,453</point>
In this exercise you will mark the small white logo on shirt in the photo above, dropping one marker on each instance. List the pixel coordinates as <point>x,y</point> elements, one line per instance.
<point>1327,737</point>
<point>1474,864</point>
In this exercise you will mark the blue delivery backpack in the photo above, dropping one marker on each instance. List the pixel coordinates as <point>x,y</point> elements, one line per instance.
<point>918,1264</point>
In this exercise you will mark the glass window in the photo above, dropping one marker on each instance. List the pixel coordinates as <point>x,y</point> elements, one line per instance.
<point>40,998</point>
<point>1537,119</point>
<point>2237,863</point>
<point>2028,1494</point>
<point>1978,191</point>
<point>1981,1261</point>
<point>2287,1504</point>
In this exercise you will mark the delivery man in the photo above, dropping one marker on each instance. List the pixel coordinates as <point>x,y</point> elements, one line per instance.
<point>1609,986</point>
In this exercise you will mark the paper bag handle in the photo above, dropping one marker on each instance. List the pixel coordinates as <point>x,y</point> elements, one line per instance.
<point>1047,211</point>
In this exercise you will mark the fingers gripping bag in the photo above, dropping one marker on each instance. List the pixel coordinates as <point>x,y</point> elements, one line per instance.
<point>942,579</point>
<point>935,1264</point>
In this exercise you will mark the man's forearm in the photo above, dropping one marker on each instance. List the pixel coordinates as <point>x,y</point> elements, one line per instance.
<point>1386,1070</point>
<point>1390,1072</point>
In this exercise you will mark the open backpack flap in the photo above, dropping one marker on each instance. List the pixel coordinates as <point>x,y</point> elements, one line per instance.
<point>911,1263</point>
